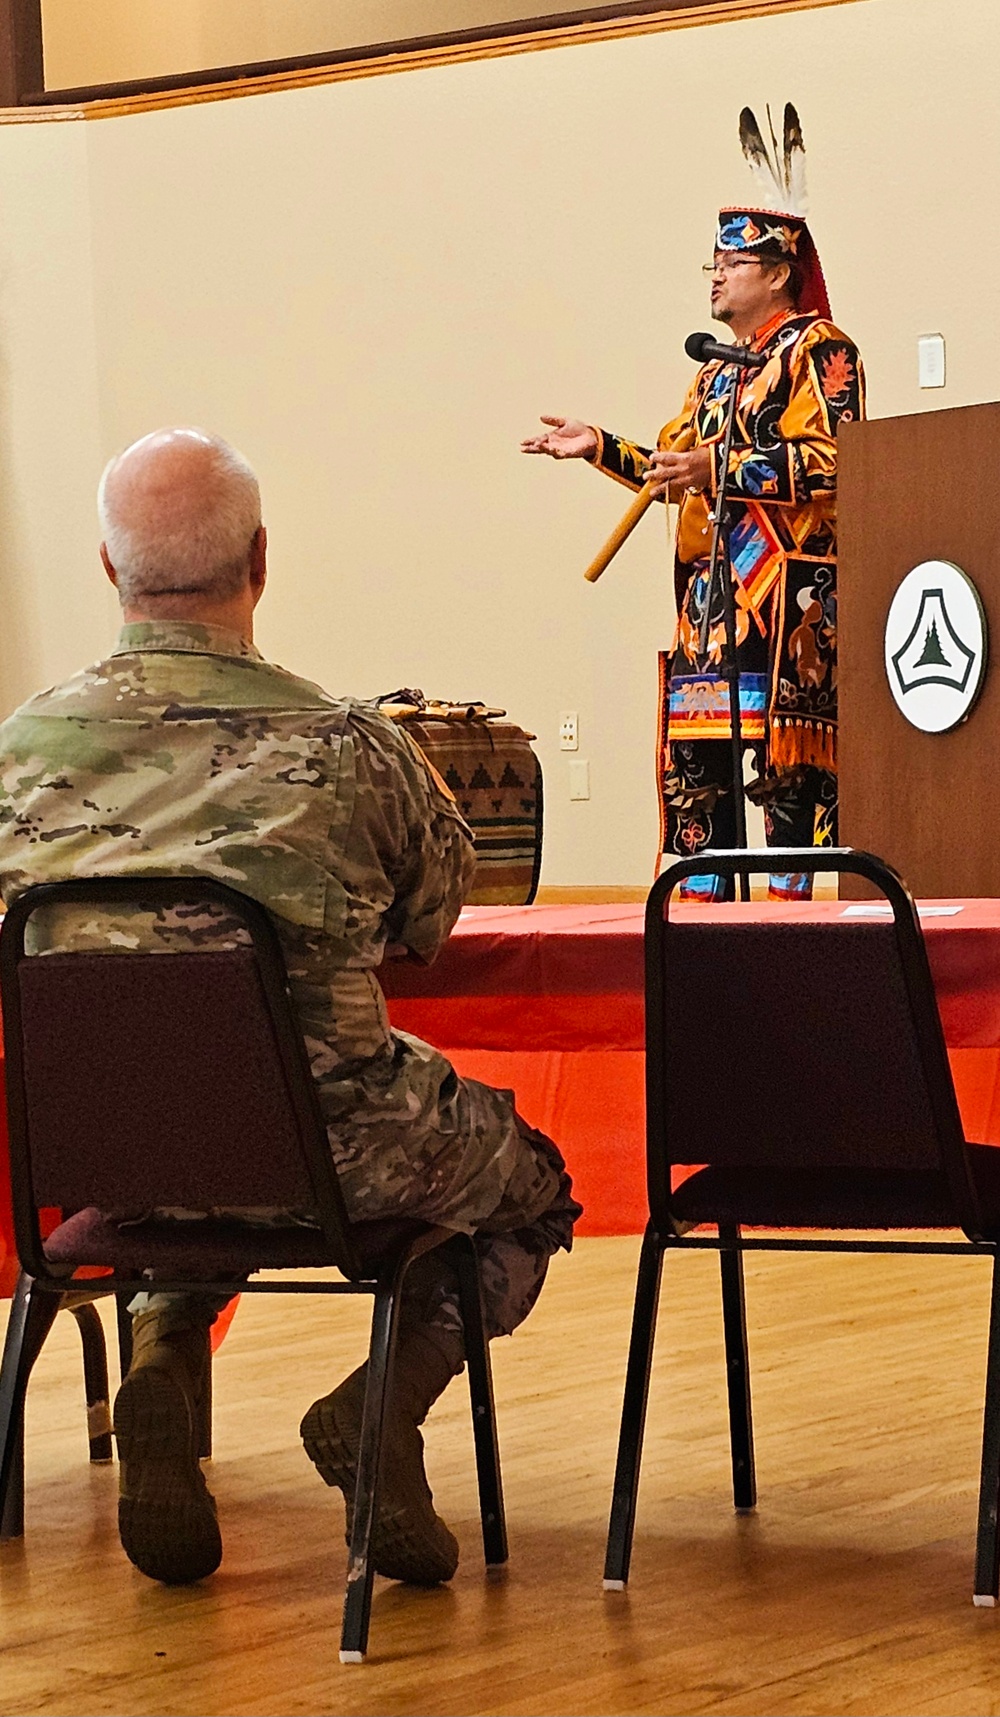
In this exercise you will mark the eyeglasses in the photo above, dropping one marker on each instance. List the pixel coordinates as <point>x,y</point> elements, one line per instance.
<point>729,263</point>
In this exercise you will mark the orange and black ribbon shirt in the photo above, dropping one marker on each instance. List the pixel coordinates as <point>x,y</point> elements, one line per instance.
<point>783,488</point>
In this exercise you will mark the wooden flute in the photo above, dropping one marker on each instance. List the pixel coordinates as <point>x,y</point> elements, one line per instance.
<point>624,528</point>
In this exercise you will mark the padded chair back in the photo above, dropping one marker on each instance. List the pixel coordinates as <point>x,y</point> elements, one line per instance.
<point>173,1079</point>
<point>797,1045</point>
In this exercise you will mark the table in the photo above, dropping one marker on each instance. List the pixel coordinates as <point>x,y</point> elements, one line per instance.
<point>548,1000</point>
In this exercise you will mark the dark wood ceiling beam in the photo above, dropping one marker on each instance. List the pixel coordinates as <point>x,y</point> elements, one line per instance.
<point>21,64</point>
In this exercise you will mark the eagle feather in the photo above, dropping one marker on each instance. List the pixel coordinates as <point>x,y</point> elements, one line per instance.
<point>794,163</point>
<point>762,166</point>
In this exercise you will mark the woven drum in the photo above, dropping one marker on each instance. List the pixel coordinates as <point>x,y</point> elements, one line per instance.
<point>497,781</point>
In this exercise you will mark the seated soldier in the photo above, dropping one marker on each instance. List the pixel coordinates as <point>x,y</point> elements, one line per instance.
<point>186,752</point>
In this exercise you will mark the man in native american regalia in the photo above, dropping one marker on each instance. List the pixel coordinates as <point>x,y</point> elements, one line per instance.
<point>768,287</point>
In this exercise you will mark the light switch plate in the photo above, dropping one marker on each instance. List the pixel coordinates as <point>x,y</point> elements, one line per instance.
<point>579,780</point>
<point>930,360</point>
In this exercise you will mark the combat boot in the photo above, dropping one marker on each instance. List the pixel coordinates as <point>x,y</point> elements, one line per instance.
<point>166,1513</point>
<point>409,1540</point>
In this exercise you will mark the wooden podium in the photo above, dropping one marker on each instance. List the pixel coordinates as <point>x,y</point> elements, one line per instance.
<point>912,489</point>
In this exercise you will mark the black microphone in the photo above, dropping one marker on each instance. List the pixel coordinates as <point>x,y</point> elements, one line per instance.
<point>704,350</point>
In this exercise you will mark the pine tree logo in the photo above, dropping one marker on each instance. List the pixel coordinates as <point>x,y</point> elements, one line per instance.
<point>921,660</point>
<point>932,655</point>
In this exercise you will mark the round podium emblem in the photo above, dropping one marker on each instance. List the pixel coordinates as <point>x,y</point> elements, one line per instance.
<point>935,646</point>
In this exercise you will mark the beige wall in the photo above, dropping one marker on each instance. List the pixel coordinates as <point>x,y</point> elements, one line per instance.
<point>52,607</point>
<point>373,287</point>
<point>101,41</point>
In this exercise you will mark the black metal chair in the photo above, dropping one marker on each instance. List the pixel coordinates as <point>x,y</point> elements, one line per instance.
<point>813,1084</point>
<point>138,1081</point>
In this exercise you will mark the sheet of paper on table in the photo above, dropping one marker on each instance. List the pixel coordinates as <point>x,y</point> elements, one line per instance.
<point>882,909</point>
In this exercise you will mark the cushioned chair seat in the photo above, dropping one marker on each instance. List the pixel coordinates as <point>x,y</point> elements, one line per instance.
<point>834,1198</point>
<point>215,1248</point>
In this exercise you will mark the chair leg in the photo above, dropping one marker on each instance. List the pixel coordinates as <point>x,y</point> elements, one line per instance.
<point>734,1320</point>
<point>95,1378</point>
<point>32,1314</point>
<point>360,1574</point>
<point>123,1318</point>
<point>987,1582</point>
<point>484,1423</point>
<point>205,1411</point>
<point>640,1360</point>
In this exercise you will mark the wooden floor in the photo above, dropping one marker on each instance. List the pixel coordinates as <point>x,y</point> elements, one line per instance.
<point>848,1592</point>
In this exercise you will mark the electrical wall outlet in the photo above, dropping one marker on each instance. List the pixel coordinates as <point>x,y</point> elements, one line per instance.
<point>579,780</point>
<point>569,730</point>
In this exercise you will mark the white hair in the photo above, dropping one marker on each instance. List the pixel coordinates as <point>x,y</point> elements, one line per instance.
<point>178,512</point>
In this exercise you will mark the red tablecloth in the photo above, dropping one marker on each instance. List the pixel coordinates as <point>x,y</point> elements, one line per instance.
<point>548,1000</point>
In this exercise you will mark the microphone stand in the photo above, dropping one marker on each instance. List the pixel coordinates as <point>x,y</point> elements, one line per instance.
<point>720,577</point>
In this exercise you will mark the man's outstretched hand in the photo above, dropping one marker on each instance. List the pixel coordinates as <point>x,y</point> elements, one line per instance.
<point>565,438</point>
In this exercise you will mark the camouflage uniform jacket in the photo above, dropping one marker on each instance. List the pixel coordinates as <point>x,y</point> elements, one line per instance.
<point>186,752</point>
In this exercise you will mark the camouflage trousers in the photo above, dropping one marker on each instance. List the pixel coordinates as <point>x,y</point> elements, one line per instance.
<point>512,1262</point>
<point>410,1138</point>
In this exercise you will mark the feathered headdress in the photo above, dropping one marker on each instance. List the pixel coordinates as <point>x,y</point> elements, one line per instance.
<point>782,178</point>
<point>777,227</point>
